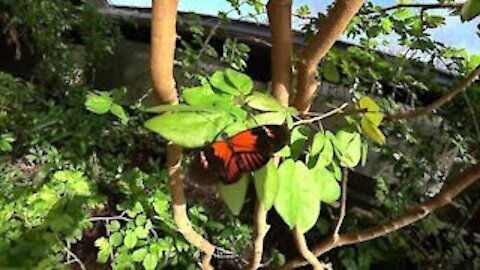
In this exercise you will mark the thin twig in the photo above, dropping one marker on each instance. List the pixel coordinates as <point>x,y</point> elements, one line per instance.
<point>422,111</point>
<point>322,116</point>
<point>107,219</point>
<point>343,203</point>
<point>419,5</point>
<point>74,258</point>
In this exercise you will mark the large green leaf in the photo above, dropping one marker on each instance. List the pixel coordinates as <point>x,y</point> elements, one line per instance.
<point>264,102</point>
<point>234,194</point>
<point>328,187</point>
<point>219,81</point>
<point>266,184</point>
<point>241,81</point>
<point>201,95</point>
<point>295,202</point>
<point>188,129</point>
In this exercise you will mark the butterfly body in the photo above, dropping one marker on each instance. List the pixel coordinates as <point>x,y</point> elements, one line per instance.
<point>229,159</point>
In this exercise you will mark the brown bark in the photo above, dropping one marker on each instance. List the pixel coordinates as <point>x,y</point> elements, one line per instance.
<point>330,30</point>
<point>464,180</point>
<point>422,111</point>
<point>280,17</point>
<point>163,35</point>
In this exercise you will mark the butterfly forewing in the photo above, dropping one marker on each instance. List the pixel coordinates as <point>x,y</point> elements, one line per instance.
<point>244,152</point>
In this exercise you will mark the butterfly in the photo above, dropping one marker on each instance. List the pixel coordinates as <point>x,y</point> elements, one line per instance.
<point>227,160</point>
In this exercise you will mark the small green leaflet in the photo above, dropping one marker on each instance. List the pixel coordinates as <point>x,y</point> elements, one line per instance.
<point>266,184</point>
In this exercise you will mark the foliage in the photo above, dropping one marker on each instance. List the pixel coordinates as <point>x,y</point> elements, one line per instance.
<point>227,104</point>
<point>77,165</point>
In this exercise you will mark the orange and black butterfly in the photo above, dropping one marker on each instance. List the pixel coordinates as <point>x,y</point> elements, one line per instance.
<point>229,159</point>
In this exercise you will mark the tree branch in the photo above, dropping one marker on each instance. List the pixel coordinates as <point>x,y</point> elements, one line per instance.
<point>421,111</point>
<point>464,180</point>
<point>162,49</point>
<point>306,253</point>
<point>164,14</point>
<point>330,30</point>
<point>261,229</point>
<point>280,18</point>
<point>420,5</point>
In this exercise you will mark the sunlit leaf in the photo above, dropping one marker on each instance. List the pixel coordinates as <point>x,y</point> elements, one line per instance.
<point>266,184</point>
<point>264,102</point>
<point>99,104</point>
<point>242,82</point>
<point>328,187</point>
<point>219,81</point>
<point>374,113</point>
<point>295,202</point>
<point>118,111</point>
<point>188,129</point>
<point>372,131</point>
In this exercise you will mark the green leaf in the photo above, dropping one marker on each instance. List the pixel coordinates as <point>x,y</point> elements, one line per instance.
<point>130,239</point>
<point>470,10</point>
<point>118,111</point>
<point>318,143</point>
<point>105,249</point>
<point>269,118</point>
<point>150,262</point>
<point>335,170</point>
<point>295,202</point>
<point>374,113</point>
<point>201,95</point>
<point>326,156</point>
<point>330,72</point>
<point>113,226</point>
<point>188,129</point>
<point>141,232</point>
<point>348,148</point>
<point>179,108</point>
<point>99,104</point>
<point>234,194</point>
<point>240,80</point>
<point>115,239</point>
<point>328,187</point>
<point>298,140</point>
<point>219,82</point>
<point>266,184</point>
<point>263,102</point>
<point>372,131</point>
<point>140,220</point>
<point>139,254</point>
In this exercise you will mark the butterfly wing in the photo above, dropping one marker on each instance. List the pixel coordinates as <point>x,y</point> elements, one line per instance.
<point>213,163</point>
<point>253,148</point>
<point>244,152</point>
